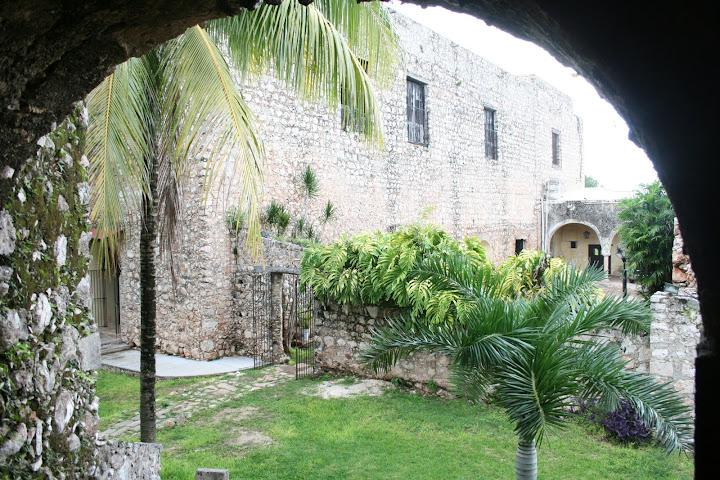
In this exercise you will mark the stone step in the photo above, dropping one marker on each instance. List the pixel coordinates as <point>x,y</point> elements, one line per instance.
<point>114,347</point>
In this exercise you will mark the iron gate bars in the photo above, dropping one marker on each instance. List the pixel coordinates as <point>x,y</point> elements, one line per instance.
<point>283,320</point>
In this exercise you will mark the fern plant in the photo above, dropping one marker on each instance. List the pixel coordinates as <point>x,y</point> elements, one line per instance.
<point>379,268</point>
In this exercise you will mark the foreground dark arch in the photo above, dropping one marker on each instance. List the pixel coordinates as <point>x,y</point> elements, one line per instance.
<point>653,61</point>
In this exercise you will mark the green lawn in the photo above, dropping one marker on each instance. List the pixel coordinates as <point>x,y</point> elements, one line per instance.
<point>123,393</point>
<point>282,433</point>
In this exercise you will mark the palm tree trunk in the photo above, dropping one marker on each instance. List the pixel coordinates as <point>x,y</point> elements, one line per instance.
<point>526,461</point>
<point>148,241</point>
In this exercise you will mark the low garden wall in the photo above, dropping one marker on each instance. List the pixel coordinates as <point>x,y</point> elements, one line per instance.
<point>668,352</point>
<point>343,332</point>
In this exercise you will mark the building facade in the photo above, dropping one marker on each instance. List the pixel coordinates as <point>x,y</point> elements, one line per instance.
<point>469,146</point>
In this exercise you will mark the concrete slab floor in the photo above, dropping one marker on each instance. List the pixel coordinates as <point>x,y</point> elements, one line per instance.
<point>168,366</point>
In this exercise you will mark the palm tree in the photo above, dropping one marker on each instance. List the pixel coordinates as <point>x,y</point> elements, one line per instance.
<point>540,353</point>
<point>155,115</point>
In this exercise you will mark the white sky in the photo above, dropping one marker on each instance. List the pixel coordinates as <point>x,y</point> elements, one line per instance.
<point>607,150</point>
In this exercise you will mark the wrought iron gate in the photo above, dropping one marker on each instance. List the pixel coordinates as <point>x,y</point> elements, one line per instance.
<point>304,330</point>
<point>283,320</point>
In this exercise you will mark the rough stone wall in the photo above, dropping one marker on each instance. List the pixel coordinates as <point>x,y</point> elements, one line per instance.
<point>195,316</point>
<point>343,332</point>
<point>49,349</point>
<point>496,200</point>
<point>128,461</point>
<point>674,337</point>
<point>682,274</point>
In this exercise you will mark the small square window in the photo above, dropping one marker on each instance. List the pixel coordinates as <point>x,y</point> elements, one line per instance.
<point>519,245</point>
<point>573,244</point>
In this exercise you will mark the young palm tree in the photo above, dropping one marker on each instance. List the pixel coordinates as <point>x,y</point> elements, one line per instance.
<point>155,115</point>
<point>540,353</point>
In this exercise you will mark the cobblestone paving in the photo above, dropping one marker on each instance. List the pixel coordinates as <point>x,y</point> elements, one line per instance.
<point>179,406</point>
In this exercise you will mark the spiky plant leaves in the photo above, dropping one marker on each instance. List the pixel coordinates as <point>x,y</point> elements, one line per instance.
<point>540,350</point>
<point>308,183</point>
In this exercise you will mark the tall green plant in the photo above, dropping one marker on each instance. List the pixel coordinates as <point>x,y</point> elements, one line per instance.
<point>647,231</point>
<point>541,353</point>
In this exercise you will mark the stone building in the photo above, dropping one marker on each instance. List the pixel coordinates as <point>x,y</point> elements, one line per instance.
<point>479,149</point>
<point>581,226</point>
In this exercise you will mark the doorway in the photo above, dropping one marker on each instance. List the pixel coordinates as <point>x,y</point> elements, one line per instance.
<point>595,257</point>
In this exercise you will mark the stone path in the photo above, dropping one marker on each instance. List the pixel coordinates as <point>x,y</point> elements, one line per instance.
<point>207,394</point>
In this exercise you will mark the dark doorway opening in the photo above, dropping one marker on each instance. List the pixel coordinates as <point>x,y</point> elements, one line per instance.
<point>595,257</point>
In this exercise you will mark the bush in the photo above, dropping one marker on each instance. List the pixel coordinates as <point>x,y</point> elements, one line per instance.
<point>378,269</point>
<point>622,424</point>
<point>647,231</point>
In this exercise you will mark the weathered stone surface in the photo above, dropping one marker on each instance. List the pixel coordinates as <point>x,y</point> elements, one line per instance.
<point>60,249</point>
<point>89,352</point>
<point>127,461</point>
<point>42,313</point>
<point>64,409</point>
<point>13,328</point>
<point>212,474</point>
<point>7,233</point>
<point>13,442</point>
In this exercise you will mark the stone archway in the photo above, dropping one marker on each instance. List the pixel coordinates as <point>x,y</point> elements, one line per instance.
<point>650,62</point>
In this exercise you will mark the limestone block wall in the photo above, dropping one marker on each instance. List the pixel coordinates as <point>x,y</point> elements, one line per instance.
<point>195,316</point>
<point>49,348</point>
<point>674,337</point>
<point>668,353</point>
<point>343,332</point>
<point>497,200</point>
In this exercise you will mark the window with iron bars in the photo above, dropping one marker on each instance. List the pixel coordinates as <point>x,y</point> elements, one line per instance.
<point>416,113</point>
<point>491,136</point>
<point>556,148</point>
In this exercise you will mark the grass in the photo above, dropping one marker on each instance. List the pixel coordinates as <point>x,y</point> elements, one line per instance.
<point>124,392</point>
<point>282,433</point>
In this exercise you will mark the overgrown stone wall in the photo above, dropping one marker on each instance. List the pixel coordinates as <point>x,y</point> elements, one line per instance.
<point>49,349</point>
<point>668,352</point>
<point>343,332</point>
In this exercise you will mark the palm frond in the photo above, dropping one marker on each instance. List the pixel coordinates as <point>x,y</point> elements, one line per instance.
<point>601,371</point>
<point>306,51</point>
<point>208,118</point>
<point>533,389</point>
<point>482,347</point>
<point>120,118</point>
